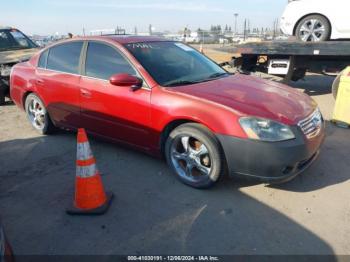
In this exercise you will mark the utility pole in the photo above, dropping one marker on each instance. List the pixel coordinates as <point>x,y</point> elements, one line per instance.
<point>245,29</point>
<point>275,25</point>
<point>236,16</point>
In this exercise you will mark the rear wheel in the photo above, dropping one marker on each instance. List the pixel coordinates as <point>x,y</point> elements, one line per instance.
<point>313,28</point>
<point>194,154</point>
<point>2,93</point>
<point>335,85</point>
<point>38,115</point>
<point>2,97</point>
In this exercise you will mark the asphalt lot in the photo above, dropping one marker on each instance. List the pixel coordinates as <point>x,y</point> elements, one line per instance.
<point>153,213</point>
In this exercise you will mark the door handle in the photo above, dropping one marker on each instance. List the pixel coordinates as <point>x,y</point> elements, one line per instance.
<point>40,82</point>
<point>85,93</point>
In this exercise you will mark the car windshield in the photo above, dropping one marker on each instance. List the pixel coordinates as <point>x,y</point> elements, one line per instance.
<point>174,63</point>
<point>13,39</point>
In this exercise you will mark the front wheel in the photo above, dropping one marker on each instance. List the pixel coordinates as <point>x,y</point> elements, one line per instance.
<point>195,155</point>
<point>313,28</point>
<point>38,115</point>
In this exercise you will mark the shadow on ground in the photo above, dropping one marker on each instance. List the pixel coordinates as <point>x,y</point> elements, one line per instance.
<point>153,213</point>
<point>313,86</point>
<point>332,166</point>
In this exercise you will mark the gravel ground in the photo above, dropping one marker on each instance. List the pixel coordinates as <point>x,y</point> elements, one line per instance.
<point>153,213</point>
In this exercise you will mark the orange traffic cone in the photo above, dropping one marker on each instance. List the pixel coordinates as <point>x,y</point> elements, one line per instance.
<point>90,197</point>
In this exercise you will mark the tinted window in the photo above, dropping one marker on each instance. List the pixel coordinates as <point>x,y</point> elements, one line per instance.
<point>65,57</point>
<point>103,61</point>
<point>14,39</point>
<point>172,63</point>
<point>43,59</point>
<point>21,39</point>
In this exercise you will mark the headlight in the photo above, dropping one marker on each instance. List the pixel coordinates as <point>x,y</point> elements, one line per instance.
<point>265,129</point>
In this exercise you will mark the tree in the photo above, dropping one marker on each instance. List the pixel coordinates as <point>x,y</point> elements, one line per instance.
<point>219,29</point>
<point>226,29</point>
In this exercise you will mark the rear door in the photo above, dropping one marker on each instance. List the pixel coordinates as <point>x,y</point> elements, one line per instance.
<point>113,111</point>
<point>57,82</point>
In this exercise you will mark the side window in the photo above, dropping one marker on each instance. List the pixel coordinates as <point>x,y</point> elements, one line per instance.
<point>103,61</point>
<point>43,59</point>
<point>5,41</point>
<point>65,57</point>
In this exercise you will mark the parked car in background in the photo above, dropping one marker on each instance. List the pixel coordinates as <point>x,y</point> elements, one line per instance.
<point>316,20</point>
<point>15,47</point>
<point>168,99</point>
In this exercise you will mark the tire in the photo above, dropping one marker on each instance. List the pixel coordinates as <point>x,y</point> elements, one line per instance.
<point>298,74</point>
<point>39,119</point>
<point>201,164</point>
<point>3,89</point>
<point>2,96</point>
<point>335,86</point>
<point>313,28</point>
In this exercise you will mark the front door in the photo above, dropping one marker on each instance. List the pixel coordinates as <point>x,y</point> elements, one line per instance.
<point>113,111</point>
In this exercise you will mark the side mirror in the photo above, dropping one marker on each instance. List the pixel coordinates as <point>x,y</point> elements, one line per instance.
<point>123,79</point>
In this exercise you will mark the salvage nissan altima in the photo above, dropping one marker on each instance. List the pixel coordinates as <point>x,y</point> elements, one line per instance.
<point>167,99</point>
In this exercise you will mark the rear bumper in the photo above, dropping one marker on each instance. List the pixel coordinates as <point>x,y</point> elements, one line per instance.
<point>271,162</point>
<point>286,27</point>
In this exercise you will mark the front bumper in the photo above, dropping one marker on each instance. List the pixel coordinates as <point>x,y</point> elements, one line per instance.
<point>271,162</point>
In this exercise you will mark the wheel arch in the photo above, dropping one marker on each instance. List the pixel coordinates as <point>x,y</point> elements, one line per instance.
<point>297,23</point>
<point>174,124</point>
<point>27,93</point>
<point>170,127</point>
<point>24,98</point>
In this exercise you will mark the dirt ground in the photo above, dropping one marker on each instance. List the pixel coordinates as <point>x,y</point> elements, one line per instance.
<point>209,50</point>
<point>153,213</point>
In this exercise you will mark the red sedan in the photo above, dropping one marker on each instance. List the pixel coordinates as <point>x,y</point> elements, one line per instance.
<point>165,98</point>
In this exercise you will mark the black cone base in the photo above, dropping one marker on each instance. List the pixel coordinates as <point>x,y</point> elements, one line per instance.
<point>96,211</point>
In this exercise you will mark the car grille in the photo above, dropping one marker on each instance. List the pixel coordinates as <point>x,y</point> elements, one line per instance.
<point>312,125</point>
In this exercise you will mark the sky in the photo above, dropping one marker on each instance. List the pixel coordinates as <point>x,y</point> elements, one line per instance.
<point>62,16</point>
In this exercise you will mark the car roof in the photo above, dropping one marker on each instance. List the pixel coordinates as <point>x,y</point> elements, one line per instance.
<point>126,39</point>
<point>6,28</point>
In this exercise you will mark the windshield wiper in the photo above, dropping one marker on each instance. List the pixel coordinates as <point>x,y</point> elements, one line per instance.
<point>187,82</point>
<point>216,75</point>
<point>180,83</point>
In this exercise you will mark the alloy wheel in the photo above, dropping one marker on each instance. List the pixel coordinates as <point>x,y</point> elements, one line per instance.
<point>312,30</point>
<point>36,113</point>
<point>191,158</point>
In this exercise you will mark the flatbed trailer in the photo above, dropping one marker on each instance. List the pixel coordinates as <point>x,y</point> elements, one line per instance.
<point>292,59</point>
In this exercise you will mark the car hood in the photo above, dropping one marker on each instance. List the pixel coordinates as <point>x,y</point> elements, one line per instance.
<point>16,56</point>
<point>249,95</point>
